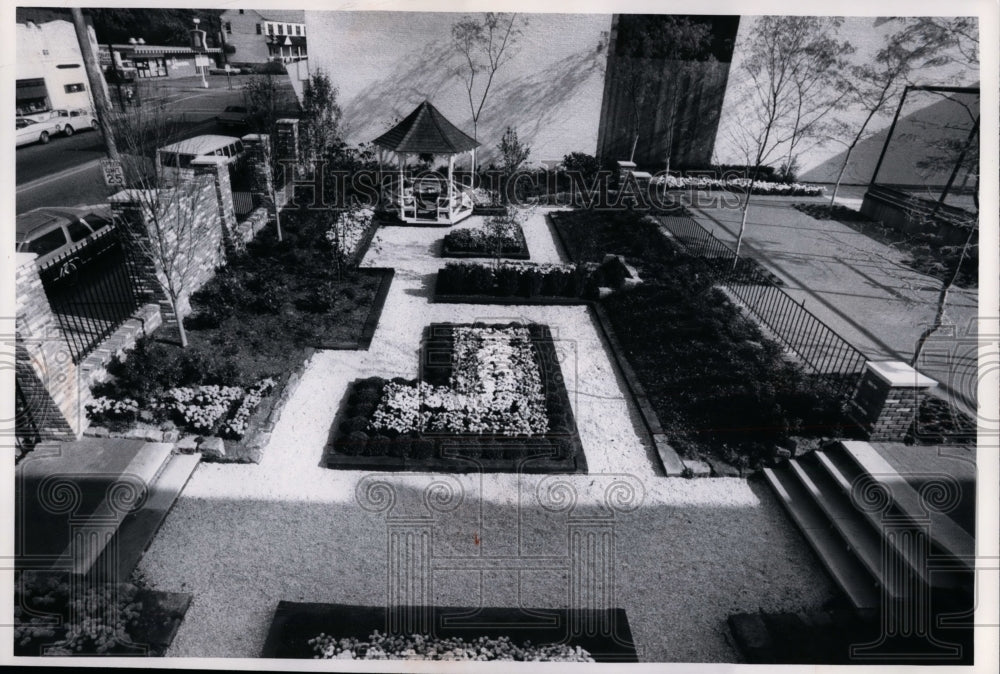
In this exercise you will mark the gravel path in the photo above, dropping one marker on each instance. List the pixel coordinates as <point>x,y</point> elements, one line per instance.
<point>687,552</point>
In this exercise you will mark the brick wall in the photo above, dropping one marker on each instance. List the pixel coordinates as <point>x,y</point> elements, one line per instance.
<point>53,389</point>
<point>177,235</point>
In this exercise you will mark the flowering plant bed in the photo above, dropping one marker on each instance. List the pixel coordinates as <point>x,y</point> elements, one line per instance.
<point>507,239</point>
<point>761,187</point>
<point>453,633</point>
<point>52,617</point>
<point>545,282</point>
<point>491,398</point>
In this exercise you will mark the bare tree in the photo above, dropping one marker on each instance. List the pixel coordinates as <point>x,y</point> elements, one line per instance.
<point>872,86</point>
<point>485,45</point>
<point>261,96</point>
<point>164,228</point>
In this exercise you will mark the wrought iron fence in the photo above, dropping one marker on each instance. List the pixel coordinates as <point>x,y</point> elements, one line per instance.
<point>91,290</point>
<point>819,348</point>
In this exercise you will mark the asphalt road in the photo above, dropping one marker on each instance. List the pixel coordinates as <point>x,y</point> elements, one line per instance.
<point>66,171</point>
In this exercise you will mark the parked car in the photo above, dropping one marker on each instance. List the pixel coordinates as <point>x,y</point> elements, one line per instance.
<point>49,232</point>
<point>76,119</point>
<point>234,116</point>
<point>174,161</point>
<point>33,131</point>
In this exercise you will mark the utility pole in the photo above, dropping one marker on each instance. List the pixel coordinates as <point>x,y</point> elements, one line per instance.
<point>96,79</point>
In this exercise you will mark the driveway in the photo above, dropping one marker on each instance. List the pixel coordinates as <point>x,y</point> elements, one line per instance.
<point>859,287</point>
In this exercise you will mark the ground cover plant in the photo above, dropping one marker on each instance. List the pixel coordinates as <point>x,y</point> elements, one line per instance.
<point>720,388</point>
<point>740,185</point>
<point>251,325</point>
<point>500,236</point>
<point>530,280</point>
<point>492,393</point>
<point>379,646</point>
<point>925,252</point>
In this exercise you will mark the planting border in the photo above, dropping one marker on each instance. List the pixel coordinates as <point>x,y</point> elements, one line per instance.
<point>448,451</point>
<point>523,254</point>
<point>294,623</point>
<point>374,313</point>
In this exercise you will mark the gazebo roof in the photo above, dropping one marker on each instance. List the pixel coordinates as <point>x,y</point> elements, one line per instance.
<point>425,130</point>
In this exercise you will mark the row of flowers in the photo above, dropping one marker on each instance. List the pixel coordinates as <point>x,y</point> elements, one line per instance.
<point>527,279</point>
<point>206,409</point>
<point>500,234</point>
<point>740,185</point>
<point>381,646</point>
<point>495,387</point>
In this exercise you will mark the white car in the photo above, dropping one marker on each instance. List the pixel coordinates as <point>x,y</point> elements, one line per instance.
<point>75,119</point>
<point>32,131</point>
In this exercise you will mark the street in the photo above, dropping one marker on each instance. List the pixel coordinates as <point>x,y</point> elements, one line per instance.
<point>66,171</point>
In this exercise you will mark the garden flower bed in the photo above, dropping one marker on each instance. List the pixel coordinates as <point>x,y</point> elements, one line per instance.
<point>341,631</point>
<point>719,387</point>
<point>52,617</point>
<point>508,242</point>
<point>251,330</point>
<point>491,398</point>
<point>519,282</point>
<point>760,187</point>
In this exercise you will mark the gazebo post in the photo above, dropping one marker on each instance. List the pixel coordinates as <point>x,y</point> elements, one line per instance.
<point>451,177</point>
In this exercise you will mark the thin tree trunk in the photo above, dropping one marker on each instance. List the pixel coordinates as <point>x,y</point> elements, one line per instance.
<point>181,330</point>
<point>840,174</point>
<point>942,299</point>
<point>743,219</point>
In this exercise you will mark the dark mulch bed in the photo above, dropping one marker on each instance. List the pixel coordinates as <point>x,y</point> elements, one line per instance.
<point>295,623</point>
<point>351,446</point>
<point>720,388</point>
<point>939,423</point>
<point>925,252</point>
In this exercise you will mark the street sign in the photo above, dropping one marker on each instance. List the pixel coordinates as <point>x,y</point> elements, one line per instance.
<point>201,61</point>
<point>114,176</point>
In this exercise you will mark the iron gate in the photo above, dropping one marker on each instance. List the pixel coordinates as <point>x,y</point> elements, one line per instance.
<point>91,290</point>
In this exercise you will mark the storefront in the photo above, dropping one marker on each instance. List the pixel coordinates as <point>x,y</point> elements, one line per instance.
<point>32,96</point>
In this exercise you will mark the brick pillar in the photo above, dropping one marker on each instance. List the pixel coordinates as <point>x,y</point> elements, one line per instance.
<point>887,399</point>
<point>256,146</point>
<point>218,169</point>
<point>54,392</point>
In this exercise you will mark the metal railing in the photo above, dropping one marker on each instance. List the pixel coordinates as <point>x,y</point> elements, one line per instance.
<point>819,348</point>
<point>91,290</point>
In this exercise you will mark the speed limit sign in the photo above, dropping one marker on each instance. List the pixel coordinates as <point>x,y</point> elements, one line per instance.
<point>114,176</point>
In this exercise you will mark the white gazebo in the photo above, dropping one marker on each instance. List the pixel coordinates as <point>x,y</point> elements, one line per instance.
<point>428,199</point>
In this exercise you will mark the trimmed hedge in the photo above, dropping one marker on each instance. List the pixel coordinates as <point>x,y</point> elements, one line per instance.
<point>530,281</point>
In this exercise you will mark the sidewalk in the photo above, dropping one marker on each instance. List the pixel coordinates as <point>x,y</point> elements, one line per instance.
<point>857,286</point>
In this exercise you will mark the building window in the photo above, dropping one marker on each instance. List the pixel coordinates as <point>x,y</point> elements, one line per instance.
<point>45,52</point>
<point>229,28</point>
<point>298,30</point>
<point>281,29</point>
<point>241,11</point>
<point>260,31</point>
<point>64,66</point>
<point>74,88</point>
<point>270,29</point>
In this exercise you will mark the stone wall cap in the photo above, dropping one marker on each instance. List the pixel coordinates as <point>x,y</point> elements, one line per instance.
<point>898,374</point>
<point>287,120</point>
<point>626,164</point>
<point>253,137</point>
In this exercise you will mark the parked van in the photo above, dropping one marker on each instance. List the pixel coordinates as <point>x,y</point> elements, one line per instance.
<point>174,160</point>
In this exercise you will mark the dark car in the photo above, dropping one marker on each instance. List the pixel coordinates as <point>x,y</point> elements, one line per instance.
<point>50,232</point>
<point>234,116</point>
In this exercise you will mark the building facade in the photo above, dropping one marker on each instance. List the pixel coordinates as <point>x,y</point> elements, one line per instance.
<point>144,61</point>
<point>257,35</point>
<point>50,72</point>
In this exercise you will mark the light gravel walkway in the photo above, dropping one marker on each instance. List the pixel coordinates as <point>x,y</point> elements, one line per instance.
<point>687,552</point>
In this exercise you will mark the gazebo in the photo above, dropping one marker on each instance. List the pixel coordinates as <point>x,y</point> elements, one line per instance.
<point>428,199</point>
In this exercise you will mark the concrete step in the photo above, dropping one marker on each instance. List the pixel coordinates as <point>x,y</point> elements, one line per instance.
<point>946,535</point>
<point>845,568</point>
<point>139,527</point>
<point>860,538</point>
<point>94,535</point>
<point>845,473</point>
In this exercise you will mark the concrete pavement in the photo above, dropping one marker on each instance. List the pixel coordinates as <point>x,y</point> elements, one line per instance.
<point>859,287</point>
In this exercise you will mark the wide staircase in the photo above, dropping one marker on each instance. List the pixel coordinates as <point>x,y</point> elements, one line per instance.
<point>92,507</point>
<point>905,567</point>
